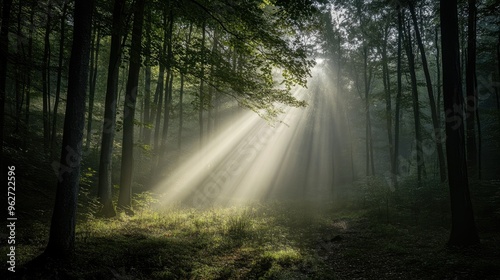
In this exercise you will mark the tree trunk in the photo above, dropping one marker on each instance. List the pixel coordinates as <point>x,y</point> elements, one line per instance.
<point>59,77</point>
<point>105,190</point>
<point>62,228</point>
<point>435,123</point>
<point>94,61</point>
<point>201,95</point>
<point>181,94</point>
<point>125,197</point>
<point>463,230</point>
<point>46,83</point>
<point>147,81</point>
<point>28,74</point>
<point>4,50</point>
<point>416,107</point>
<point>397,116</point>
<point>470,79</point>
<point>388,106</point>
<point>168,86</point>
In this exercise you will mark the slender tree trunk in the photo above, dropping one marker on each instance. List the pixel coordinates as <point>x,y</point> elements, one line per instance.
<point>416,107</point>
<point>59,77</point>
<point>181,94</point>
<point>62,228</point>
<point>470,79</point>
<point>20,70</point>
<point>159,87</point>
<point>388,104</point>
<point>168,86</point>
<point>28,74</point>
<point>94,61</point>
<point>367,109</point>
<point>158,108</point>
<point>147,81</point>
<point>435,123</point>
<point>46,83</point>
<point>438,82</point>
<point>4,50</point>
<point>125,197</point>
<point>201,95</point>
<point>105,190</point>
<point>463,230</point>
<point>397,116</point>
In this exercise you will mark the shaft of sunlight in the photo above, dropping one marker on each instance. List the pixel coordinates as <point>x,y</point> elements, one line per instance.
<point>302,157</point>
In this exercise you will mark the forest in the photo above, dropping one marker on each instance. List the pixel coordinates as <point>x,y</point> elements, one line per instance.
<point>250,139</point>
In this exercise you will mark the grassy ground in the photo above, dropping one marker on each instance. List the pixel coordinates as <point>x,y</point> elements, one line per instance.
<point>281,240</point>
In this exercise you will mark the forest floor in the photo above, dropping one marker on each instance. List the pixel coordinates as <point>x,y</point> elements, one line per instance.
<point>274,240</point>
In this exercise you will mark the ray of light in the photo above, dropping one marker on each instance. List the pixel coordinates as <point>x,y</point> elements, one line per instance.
<point>302,157</point>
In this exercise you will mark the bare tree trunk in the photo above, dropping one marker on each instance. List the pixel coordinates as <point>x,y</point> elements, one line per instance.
<point>62,228</point>
<point>46,83</point>
<point>463,231</point>
<point>416,107</point>
<point>125,196</point>
<point>201,95</point>
<point>105,190</point>
<point>59,76</point>
<point>94,61</point>
<point>397,116</point>
<point>435,123</point>
<point>471,91</point>
<point>147,81</point>
<point>4,50</point>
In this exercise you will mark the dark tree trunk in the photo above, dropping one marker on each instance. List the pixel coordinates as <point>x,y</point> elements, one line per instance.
<point>147,81</point>
<point>109,126</point>
<point>125,197</point>
<point>397,116</point>
<point>438,82</point>
<point>463,230</point>
<point>388,104</point>
<point>157,109</point>
<point>28,74</point>
<point>62,228</point>
<point>168,86</point>
<point>470,79</point>
<point>416,107</point>
<point>430,92</point>
<point>4,55</point>
<point>201,95</point>
<point>46,83</point>
<point>94,63</point>
<point>59,77</point>
<point>181,93</point>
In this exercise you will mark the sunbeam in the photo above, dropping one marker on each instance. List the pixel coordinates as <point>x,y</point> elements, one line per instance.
<point>300,157</point>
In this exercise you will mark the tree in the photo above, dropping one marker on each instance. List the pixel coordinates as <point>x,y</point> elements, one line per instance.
<point>125,197</point>
<point>432,102</point>
<point>471,90</point>
<point>463,230</point>
<point>62,228</point>
<point>4,54</point>
<point>109,126</point>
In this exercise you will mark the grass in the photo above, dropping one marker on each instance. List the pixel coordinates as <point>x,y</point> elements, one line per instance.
<point>260,241</point>
<point>252,242</point>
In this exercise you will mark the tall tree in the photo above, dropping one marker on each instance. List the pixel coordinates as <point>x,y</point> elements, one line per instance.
<point>430,92</point>
<point>59,75</point>
<point>108,133</point>
<point>471,88</point>
<point>463,230</point>
<point>62,228</point>
<point>4,54</point>
<point>416,106</point>
<point>125,197</point>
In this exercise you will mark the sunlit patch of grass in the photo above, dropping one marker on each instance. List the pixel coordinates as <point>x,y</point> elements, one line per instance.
<point>268,241</point>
